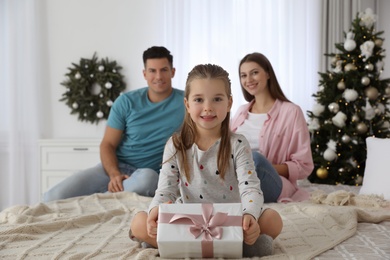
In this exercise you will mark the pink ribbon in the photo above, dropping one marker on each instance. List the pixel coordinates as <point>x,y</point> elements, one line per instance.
<point>206,224</point>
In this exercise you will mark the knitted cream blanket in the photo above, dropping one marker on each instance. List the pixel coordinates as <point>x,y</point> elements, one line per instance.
<point>96,227</point>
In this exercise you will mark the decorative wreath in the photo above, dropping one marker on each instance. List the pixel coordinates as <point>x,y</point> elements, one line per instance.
<point>92,86</point>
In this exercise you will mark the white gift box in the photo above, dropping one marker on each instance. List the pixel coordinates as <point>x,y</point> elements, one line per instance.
<point>200,230</point>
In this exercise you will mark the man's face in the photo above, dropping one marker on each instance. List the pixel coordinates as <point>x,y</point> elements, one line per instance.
<point>158,74</point>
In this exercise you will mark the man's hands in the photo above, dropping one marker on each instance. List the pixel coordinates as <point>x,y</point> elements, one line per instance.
<point>115,184</point>
<point>251,229</point>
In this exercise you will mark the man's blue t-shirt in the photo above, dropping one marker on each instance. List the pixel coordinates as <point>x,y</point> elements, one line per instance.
<point>146,126</point>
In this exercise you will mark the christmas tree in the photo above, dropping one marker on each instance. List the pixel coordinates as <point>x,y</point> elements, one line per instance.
<point>351,105</point>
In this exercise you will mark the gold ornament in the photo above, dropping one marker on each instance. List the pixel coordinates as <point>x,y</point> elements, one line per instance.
<point>379,42</point>
<point>387,91</point>
<point>355,118</point>
<point>361,128</point>
<point>345,139</point>
<point>365,81</point>
<point>341,85</point>
<point>322,173</point>
<point>369,67</point>
<point>333,107</point>
<point>350,67</point>
<point>372,93</point>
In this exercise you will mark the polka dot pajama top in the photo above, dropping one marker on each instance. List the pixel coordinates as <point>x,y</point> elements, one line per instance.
<point>241,184</point>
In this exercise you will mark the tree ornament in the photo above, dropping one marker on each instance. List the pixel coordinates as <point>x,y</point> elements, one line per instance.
<point>318,109</point>
<point>379,42</point>
<point>350,95</point>
<point>369,67</point>
<point>322,173</point>
<point>372,93</point>
<point>338,68</point>
<point>83,87</point>
<point>361,128</point>
<point>359,180</point>
<point>367,18</point>
<point>341,170</point>
<point>333,107</point>
<point>369,112</point>
<point>108,85</point>
<point>99,114</point>
<point>367,48</point>
<point>350,44</point>
<point>387,91</point>
<point>329,155</point>
<point>330,152</point>
<point>314,125</point>
<point>350,67</point>
<point>385,125</point>
<point>333,60</point>
<point>341,85</point>
<point>355,118</point>
<point>380,109</point>
<point>339,119</point>
<point>365,81</point>
<point>345,139</point>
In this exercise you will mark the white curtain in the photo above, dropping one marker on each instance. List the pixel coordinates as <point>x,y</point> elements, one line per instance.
<point>20,91</point>
<point>223,31</point>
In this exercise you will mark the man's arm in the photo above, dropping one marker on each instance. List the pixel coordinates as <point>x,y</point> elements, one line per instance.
<point>112,138</point>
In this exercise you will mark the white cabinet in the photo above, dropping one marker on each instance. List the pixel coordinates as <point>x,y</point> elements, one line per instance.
<point>60,158</point>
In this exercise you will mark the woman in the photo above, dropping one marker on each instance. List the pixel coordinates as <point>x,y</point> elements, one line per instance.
<point>276,130</point>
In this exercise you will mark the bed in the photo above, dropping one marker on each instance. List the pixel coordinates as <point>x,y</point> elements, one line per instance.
<point>336,223</point>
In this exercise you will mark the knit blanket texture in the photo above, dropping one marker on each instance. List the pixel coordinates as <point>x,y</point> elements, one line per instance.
<point>97,226</point>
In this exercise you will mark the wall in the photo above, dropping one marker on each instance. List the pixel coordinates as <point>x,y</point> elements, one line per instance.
<point>383,24</point>
<point>120,30</point>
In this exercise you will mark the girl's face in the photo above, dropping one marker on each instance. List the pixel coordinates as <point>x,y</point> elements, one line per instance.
<point>208,103</point>
<point>253,78</point>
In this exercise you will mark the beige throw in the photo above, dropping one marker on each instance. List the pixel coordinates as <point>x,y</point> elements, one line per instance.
<point>96,227</point>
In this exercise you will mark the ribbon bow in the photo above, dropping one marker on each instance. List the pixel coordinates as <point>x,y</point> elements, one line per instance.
<point>209,226</point>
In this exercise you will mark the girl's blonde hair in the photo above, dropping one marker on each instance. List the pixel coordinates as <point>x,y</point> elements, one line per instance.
<point>184,139</point>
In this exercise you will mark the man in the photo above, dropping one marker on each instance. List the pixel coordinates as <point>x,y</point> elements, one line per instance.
<point>139,124</point>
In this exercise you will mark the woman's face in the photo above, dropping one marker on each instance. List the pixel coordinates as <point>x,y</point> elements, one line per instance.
<point>253,78</point>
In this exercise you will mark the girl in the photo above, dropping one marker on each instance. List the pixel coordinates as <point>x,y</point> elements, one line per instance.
<point>206,163</point>
<point>276,130</point>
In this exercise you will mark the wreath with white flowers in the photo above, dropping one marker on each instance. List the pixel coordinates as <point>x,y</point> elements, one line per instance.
<point>92,86</point>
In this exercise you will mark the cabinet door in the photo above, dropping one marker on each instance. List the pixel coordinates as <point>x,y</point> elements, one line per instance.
<point>61,158</point>
<point>69,158</point>
<point>51,178</point>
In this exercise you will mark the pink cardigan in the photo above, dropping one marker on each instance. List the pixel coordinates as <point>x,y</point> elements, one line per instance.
<point>284,139</point>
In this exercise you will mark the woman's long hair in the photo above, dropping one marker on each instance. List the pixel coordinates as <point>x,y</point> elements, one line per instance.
<point>272,84</point>
<point>187,135</point>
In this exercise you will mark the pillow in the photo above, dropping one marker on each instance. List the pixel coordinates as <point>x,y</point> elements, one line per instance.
<point>377,172</point>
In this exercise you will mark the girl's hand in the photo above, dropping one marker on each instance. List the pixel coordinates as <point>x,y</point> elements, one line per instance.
<point>251,229</point>
<point>151,222</point>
